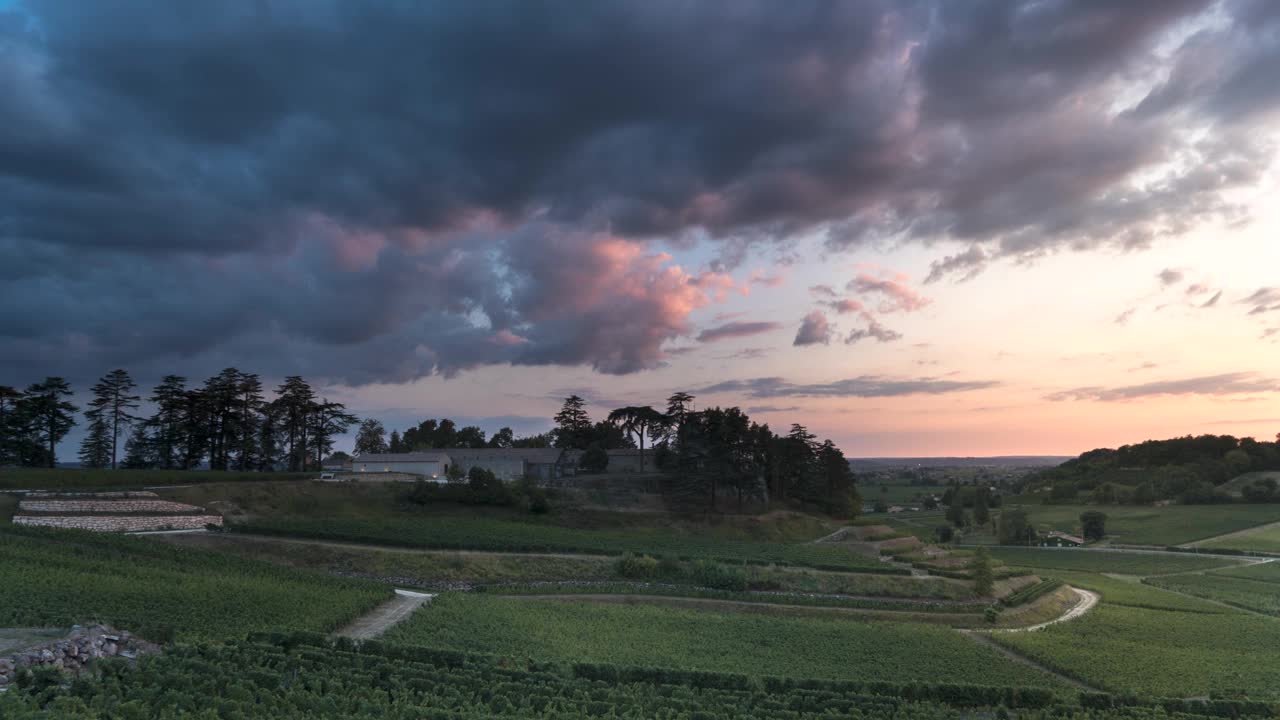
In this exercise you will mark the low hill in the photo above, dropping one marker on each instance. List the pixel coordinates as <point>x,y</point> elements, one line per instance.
<point>1191,469</point>
<point>869,464</point>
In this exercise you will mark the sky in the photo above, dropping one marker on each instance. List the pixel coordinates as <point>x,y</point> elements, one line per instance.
<point>917,228</point>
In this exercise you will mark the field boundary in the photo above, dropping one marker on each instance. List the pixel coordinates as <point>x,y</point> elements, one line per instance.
<point>1227,536</point>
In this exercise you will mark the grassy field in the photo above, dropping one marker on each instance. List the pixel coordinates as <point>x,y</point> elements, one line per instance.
<point>57,578</point>
<point>1107,562</point>
<point>422,569</point>
<point>726,642</point>
<point>1259,596</point>
<point>1130,592</point>
<point>1238,483</point>
<point>1161,653</point>
<point>431,568</point>
<point>1266,539</point>
<point>1264,572</point>
<point>1169,525</point>
<point>460,532</point>
<point>86,479</point>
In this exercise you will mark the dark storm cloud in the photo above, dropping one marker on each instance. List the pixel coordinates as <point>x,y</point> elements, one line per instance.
<point>865,386</point>
<point>377,191</point>
<point>1239,383</point>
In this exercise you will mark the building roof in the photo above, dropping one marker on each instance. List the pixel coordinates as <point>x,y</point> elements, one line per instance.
<point>534,456</point>
<point>1065,536</point>
<point>423,456</point>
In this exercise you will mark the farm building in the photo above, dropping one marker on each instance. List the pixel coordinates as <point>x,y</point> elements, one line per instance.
<point>511,463</point>
<point>1060,539</point>
<point>430,464</point>
<point>628,460</point>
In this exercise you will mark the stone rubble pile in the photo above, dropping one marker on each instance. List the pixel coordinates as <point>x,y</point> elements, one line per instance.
<point>73,652</point>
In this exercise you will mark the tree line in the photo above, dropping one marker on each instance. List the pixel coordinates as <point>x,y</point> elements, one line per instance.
<point>716,452</point>
<point>227,423</point>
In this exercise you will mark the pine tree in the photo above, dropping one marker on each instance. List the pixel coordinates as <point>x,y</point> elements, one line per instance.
<point>139,449</point>
<point>328,419</point>
<point>573,425</point>
<point>246,435</point>
<point>170,399</point>
<point>396,445</point>
<point>8,425</point>
<point>295,402</point>
<point>113,401</point>
<point>46,417</point>
<point>95,448</point>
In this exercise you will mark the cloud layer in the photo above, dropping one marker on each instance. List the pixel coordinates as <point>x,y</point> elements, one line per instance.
<point>380,191</point>
<point>865,386</point>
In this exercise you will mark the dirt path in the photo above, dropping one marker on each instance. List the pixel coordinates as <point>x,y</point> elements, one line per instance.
<point>1088,600</point>
<point>1228,536</point>
<point>385,616</point>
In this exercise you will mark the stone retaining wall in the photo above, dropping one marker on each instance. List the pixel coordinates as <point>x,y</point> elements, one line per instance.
<point>106,506</point>
<point>120,523</point>
<point>72,653</point>
<point>108,494</point>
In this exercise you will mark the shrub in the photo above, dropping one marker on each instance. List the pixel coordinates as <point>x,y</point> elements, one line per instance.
<point>669,566</point>
<point>709,573</point>
<point>636,566</point>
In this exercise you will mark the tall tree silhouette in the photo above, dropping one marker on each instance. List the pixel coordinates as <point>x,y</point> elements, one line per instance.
<point>48,416</point>
<point>638,421</point>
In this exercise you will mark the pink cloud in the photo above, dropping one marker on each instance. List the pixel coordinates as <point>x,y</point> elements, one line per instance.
<point>760,277</point>
<point>898,296</point>
<point>846,306</point>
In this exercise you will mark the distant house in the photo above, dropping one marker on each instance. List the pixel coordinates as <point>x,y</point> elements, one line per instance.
<point>541,464</point>
<point>1060,539</point>
<point>430,465</point>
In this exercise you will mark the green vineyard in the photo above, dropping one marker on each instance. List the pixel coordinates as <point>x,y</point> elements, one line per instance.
<point>57,578</point>
<point>286,677</point>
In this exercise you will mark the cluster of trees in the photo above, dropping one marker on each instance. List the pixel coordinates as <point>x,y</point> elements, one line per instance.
<point>34,421</point>
<point>227,423</point>
<point>442,434</point>
<point>717,451</point>
<point>1187,469</point>
<point>1014,528</point>
<point>969,505</point>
